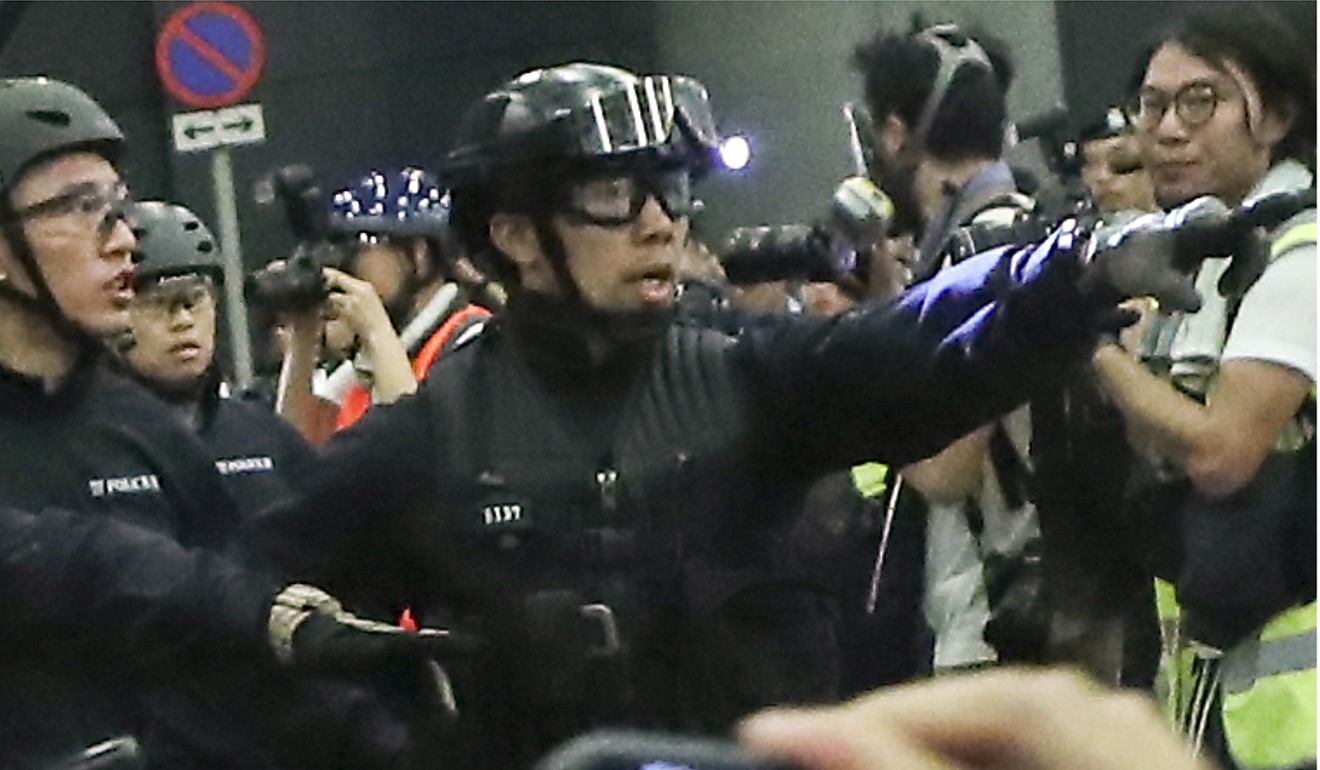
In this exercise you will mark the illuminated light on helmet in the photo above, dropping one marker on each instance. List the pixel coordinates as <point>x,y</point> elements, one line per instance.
<point>735,153</point>
<point>404,202</point>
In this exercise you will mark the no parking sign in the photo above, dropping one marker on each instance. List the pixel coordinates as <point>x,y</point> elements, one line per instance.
<point>210,54</point>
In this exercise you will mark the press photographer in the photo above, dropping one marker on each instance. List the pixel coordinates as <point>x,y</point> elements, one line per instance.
<point>324,319</point>
<point>391,230</point>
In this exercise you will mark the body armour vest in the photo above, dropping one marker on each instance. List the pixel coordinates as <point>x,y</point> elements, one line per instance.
<point>595,533</point>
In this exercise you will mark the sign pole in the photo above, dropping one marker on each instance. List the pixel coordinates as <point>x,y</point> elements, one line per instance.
<point>222,175</point>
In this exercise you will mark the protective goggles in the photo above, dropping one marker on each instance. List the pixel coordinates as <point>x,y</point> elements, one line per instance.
<point>102,207</point>
<point>616,199</point>
<point>644,114</point>
<point>166,296</point>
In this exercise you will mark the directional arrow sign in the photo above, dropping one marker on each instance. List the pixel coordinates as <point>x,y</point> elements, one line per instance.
<point>204,129</point>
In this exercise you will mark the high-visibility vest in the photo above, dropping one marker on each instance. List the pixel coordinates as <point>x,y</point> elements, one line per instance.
<point>1267,683</point>
<point>357,400</point>
<point>1269,694</point>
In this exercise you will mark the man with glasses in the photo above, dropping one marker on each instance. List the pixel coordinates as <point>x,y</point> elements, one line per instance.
<point>1226,108</point>
<point>602,489</point>
<point>112,579</point>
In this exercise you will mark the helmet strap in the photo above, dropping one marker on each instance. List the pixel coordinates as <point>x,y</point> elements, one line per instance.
<point>44,303</point>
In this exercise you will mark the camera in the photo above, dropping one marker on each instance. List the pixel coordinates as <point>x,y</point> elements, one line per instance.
<point>295,284</point>
<point>298,282</point>
<point>829,249</point>
<point>640,750</point>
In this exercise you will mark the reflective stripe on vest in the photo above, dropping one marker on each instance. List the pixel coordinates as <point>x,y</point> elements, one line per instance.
<point>1269,683</point>
<point>1294,236</point>
<point>1269,703</point>
<point>869,479</point>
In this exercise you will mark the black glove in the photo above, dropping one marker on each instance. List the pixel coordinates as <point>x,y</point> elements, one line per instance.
<point>1157,255</point>
<point>311,631</point>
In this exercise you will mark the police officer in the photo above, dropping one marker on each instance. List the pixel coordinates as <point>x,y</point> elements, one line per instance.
<point>171,348</point>
<point>1226,107</point>
<point>90,627</point>
<point>601,489</point>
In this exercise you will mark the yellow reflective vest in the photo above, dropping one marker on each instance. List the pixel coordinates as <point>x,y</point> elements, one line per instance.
<point>1267,683</point>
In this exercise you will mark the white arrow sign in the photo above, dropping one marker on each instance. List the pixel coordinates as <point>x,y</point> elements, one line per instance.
<point>204,129</point>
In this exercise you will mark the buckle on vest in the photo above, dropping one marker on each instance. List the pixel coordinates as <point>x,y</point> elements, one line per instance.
<point>609,639</point>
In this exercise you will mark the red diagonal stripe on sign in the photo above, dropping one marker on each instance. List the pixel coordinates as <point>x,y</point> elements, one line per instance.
<point>210,54</point>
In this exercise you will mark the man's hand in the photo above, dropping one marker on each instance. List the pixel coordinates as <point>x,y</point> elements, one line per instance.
<point>1157,255</point>
<point>1002,719</point>
<point>311,631</point>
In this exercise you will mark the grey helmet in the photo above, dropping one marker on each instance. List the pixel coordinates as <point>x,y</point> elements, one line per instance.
<point>585,113</point>
<point>172,240</point>
<point>40,117</point>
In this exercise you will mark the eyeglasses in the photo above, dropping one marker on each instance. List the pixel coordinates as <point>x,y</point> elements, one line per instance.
<point>1194,104</point>
<point>161,300</point>
<point>102,207</point>
<point>614,200</point>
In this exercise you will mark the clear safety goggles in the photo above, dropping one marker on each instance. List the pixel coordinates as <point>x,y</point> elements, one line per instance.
<point>616,199</point>
<point>644,114</point>
<point>164,297</point>
<point>99,207</point>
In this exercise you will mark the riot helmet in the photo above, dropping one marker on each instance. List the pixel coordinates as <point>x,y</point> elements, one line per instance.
<point>179,266</point>
<point>584,113</point>
<point>173,241</point>
<point>526,147</point>
<point>41,118</point>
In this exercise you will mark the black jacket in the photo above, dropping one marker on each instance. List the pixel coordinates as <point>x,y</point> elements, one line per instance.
<point>90,629</point>
<point>655,480</point>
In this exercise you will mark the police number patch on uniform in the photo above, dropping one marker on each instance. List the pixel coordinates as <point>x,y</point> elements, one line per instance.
<point>504,515</point>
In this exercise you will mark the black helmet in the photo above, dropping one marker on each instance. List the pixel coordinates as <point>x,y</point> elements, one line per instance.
<point>173,241</point>
<point>40,117</point>
<point>584,113</point>
<point>405,202</point>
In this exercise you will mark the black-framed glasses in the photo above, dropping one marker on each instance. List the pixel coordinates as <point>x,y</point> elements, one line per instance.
<point>102,206</point>
<point>1194,104</point>
<point>162,299</point>
<point>617,199</point>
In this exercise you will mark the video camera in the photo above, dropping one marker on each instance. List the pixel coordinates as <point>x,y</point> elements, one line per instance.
<point>832,248</point>
<point>298,282</point>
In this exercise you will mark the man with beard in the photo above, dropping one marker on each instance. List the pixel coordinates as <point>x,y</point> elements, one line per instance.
<point>601,488</point>
<point>937,104</point>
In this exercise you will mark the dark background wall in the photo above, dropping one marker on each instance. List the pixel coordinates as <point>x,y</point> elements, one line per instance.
<point>352,84</point>
<point>347,85</point>
<point>1102,40</point>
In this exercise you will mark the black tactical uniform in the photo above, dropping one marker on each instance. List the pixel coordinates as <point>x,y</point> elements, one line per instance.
<point>253,717</point>
<point>524,482</point>
<point>115,591</point>
<point>100,445</point>
<point>604,493</point>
